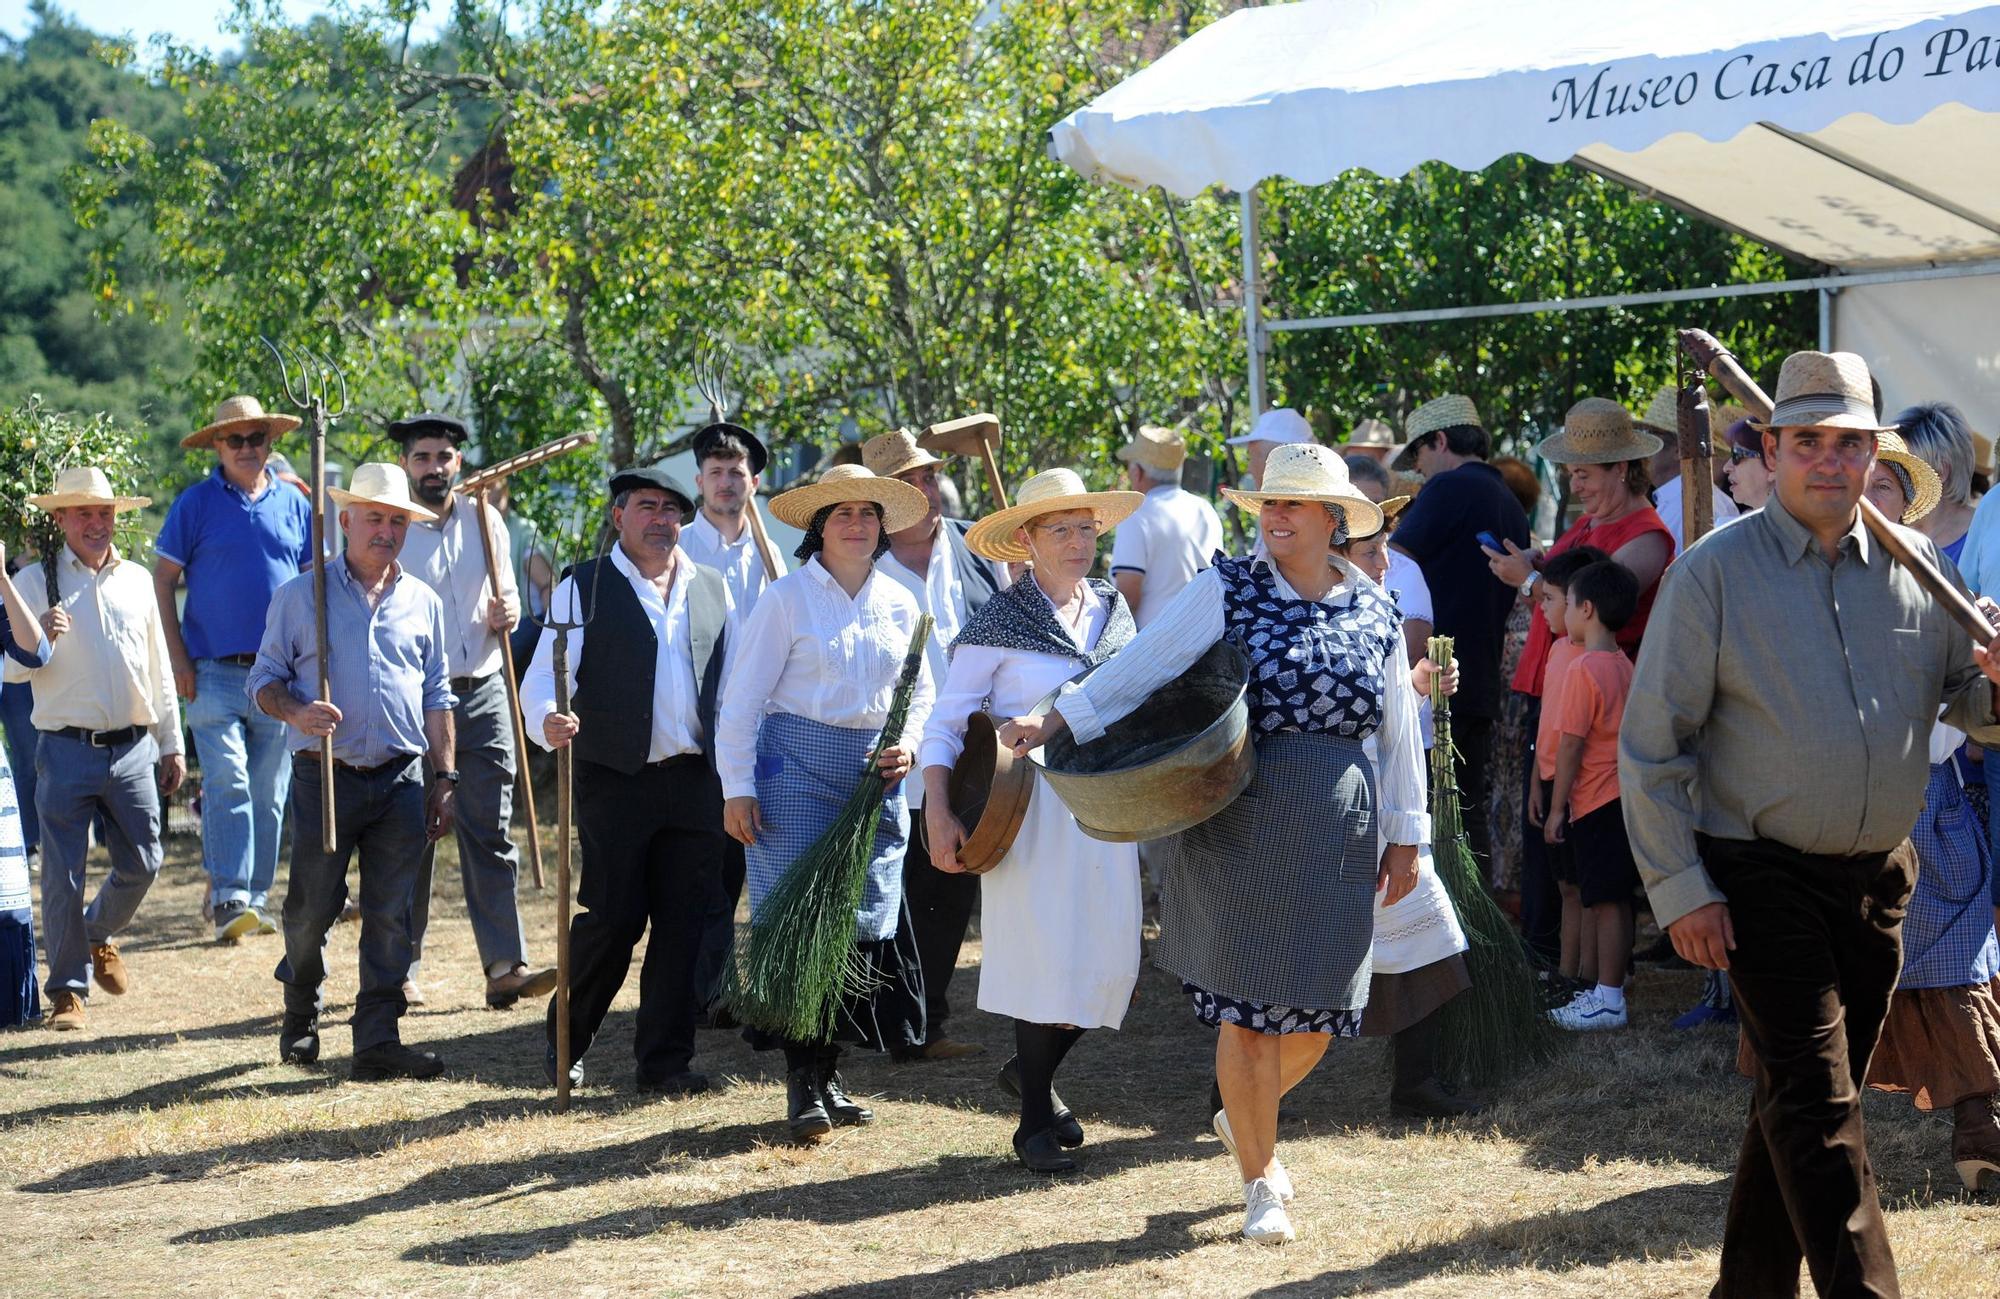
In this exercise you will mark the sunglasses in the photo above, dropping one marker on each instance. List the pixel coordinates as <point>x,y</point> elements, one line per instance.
<point>237,441</point>
<point>1737,455</point>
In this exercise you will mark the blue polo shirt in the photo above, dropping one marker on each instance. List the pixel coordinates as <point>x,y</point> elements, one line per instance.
<point>236,552</point>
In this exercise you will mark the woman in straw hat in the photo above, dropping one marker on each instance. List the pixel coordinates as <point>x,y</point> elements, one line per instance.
<point>1267,907</point>
<point>1061,910</point>
<point>807,690</point>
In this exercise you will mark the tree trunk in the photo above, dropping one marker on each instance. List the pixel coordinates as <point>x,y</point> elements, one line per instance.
<point>624,419</point>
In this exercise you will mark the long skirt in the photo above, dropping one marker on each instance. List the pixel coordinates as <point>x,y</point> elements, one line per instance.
<point>1061,917</point>
<point>20,997</point>
<point>1419,961</point>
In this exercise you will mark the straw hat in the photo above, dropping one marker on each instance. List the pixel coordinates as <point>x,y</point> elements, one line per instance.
<point>86,485</point>
<point>1722,416</point>
<point>384,485</point>
<point>239,415</point>
<point>1155,448</point>
<point>1891,449</point>
<point>1280,424</point>
<point>1452,410</point>
<point>895,453</point>
<point>903,506</point>
<point>1825,390</point>
<point>1597,431</point>
<point>1982,453</point>
<point>1390,509</point>
<point>1663,413</point>
<point>1311,473</point>
<point>1372,433</point>
<point>1049,492</point>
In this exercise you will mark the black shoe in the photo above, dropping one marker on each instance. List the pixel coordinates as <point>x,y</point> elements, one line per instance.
<point>549,1070</point>
<point>1068,1131</point>
<point>1433,1098</point>
<point>676,1085</point>
<point>807,1109</point>
<point>840,1107</point>
<point>394,1060</point>
<point>717,1018</point>
<point>1042,1153</point>
<point>298,1040</point>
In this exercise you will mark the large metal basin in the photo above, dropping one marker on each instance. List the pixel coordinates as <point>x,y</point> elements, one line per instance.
<point>1177,760</point>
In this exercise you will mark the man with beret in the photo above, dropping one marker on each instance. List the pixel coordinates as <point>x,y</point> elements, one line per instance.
<point>446,555</point>
<point>235,537</point>
<point>648,800</point>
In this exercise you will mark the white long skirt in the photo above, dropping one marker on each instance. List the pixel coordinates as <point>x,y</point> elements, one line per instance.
<point>1060,917</point>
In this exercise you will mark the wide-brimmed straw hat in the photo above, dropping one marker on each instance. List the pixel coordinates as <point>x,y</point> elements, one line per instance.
<point>1825,390</point>
<point>1280,424</point>
<point>86,485</point>
<point>903,506</point>
<point>381,484</point>
<point>239,415</point>
<point>1311,473</point>
<point>1926,487</point>
<point>1598,431</point>
<point>1663,413</point>
<point>1373,434</point>
<point>1051,491</point>
<point>1156,448</point>
<point>1453,410</point>
<point>1390,509</point>
<point>1982,453</point>
<point>889,454</point>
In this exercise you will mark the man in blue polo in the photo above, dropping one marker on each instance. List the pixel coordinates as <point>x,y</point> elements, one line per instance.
<point>236,537</point>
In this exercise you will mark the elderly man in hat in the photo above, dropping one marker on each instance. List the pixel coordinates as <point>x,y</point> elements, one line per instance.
<point>391,708</point>
<point>1463,496</point>
<point>1775,750</point>
<point>235,537</point>
<point>1276,427</point>
<point>931,560</point>
<point>648,801</point>
<point>447,555</point>
<point>1174,535</point>
<point>109,741</point>
<point>1662,418</point>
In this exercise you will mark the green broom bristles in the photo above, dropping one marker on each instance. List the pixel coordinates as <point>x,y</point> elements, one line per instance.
<point>799,961</point>
<point>1500,1026</point>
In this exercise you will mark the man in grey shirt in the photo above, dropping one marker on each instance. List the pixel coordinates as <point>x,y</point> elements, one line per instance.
<point>1773,754</point>
<point>391,702</point>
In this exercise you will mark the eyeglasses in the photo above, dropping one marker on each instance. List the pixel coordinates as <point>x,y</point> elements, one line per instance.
<point>237,441</point>
<point>1737,455</point>
<point>1064,533</point>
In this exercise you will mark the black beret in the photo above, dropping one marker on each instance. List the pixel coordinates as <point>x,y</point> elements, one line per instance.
<point>705,438</point>
<point>430,424</point>
<point>631,480</point>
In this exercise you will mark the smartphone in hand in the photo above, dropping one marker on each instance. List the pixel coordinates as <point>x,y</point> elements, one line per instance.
<point>1491,542</point>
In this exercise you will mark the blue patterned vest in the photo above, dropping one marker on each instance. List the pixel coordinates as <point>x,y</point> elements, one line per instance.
<point>1313,667</point>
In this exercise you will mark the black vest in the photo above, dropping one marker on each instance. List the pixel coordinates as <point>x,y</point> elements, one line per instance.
<point>614,680</point>
<point>975,575</point>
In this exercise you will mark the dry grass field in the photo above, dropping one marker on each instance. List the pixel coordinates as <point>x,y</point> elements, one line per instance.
<point>165,1150</point>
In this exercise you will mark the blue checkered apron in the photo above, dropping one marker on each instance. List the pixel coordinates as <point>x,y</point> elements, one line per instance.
<point>1948,939</point>
<point>805,772</point>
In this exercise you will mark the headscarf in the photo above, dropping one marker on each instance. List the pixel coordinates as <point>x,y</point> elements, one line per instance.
<point>815,538</point>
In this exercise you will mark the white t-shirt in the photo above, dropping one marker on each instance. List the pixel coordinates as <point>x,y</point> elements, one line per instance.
<point>1667,500</point>
<point>1405,581</point>
<point>1172,536</point>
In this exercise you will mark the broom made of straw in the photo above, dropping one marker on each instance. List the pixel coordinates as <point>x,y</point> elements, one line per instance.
<point>800,960</point>
<point>1500,1026</point>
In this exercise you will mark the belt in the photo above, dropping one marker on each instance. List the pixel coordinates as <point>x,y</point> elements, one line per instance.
<point>678,758</point>
<point>102,739</point>
<point>240,660</point>
<point>396,763</point>
<point>465,685</point>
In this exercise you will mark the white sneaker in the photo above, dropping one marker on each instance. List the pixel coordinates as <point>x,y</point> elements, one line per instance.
<point>1589,1013</point>
<point>1281,1181</point>
<point>1264,1218</point>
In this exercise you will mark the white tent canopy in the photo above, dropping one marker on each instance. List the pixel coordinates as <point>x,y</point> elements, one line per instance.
<point>1863,136</point>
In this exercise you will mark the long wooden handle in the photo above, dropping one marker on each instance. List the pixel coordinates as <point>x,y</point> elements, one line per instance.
<point>1716,361</point>
<point>993,479</point>
<point>327,830</point>
<point>761,539</point>
<point>524,784</point>
<point>485,478</point>
<point>565,761</point>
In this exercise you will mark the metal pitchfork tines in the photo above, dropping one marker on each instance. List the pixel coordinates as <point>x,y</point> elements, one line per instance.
<point>708,381</point>
<point>312,390</point>
<point>580,616</point>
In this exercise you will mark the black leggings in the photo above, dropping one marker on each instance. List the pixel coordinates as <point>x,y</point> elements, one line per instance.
<point>1040,1049</point>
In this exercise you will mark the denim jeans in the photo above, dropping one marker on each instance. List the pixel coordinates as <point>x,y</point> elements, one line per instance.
<point>245,773</point>
<point>77,783</point>
<point>381,813</point>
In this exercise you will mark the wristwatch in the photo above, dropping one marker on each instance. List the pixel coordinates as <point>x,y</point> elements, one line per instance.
<point>451,776</point>
<point>1533,577</point>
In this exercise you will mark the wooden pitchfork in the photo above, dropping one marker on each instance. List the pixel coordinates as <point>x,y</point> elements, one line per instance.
<point>312,390</point>
<point>580,616</point>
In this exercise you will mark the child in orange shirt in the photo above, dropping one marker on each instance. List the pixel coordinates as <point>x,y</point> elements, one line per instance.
<point>1584,808</point>
<point>1574,959</point>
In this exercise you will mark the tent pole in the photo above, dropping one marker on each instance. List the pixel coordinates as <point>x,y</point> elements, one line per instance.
<point>1253,301</point>
<point>1825,319</point>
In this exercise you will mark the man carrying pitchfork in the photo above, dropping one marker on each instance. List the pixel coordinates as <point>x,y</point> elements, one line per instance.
<point>649,804</point>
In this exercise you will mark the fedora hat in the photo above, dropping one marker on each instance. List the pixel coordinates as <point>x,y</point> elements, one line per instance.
<point>1049,492</point>
<point>1824,390</point>
<point>381,484</point>
<point>896,452</point>
<point>1372,433</point>
<point>1280,424</point>
<point>1155,448</point>
<point>1663,413</point>
<point>86,485</point>
<point>1598,431</point>
<point>1926,488</point>
<point>238,415</point>
<point>1311,473</point>
<point>1453,410</point>
<point>903,506</point>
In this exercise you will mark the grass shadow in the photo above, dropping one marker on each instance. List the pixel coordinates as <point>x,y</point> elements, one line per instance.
<point>171,1091</point>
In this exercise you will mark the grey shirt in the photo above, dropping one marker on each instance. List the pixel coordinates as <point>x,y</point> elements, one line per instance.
<point>1781,697</point>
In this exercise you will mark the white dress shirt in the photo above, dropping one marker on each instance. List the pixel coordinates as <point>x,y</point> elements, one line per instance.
<point>1405,581</point>
<point>1173,535</point>
<point>811,650</point>
<point>676,721</point>
<point>447,558</point>
<point>110,669</point>
<point>1008,681</point>
<point>1195,620</point>
<point>741,568</point>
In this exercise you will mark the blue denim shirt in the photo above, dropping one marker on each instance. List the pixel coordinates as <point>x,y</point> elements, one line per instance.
<point>388,666</point>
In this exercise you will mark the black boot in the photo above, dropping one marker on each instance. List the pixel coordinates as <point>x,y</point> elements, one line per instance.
<point>1417,1091</point>
<point>807,1110</point>
<point>840,1107</point>
<point>298,1039</point>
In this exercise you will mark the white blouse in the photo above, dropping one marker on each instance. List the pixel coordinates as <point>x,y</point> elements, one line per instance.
<point>1169,645</point>
<point>810,650</point>
<point>1007,681</point>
